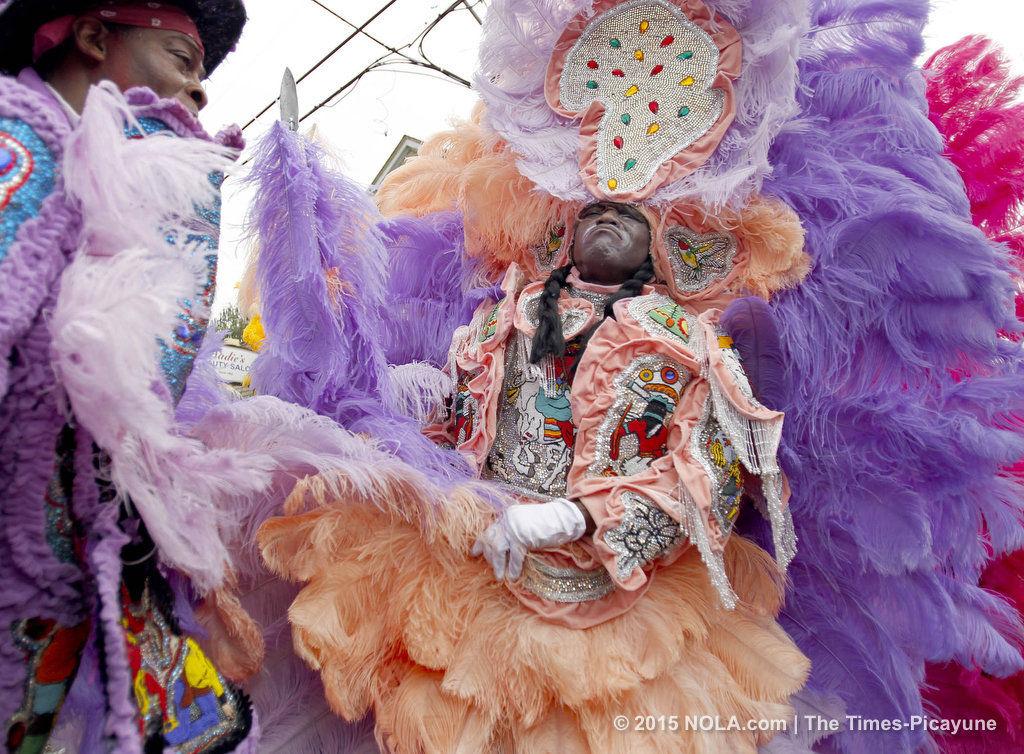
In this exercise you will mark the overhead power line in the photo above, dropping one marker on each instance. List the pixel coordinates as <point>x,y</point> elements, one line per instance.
<point>412,61</point>
<point>326,57</point>
<point>425,63</point>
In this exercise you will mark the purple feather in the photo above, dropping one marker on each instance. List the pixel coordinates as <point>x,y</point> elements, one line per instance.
<point>894,461</point>
<point>431,289</point>
<point>750,323</point>
<point>325,347</point>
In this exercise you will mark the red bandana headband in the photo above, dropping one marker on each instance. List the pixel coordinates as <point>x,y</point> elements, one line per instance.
<point>143,15</point>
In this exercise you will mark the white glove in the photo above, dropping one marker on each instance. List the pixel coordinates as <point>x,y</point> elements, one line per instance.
<point>528,527</point>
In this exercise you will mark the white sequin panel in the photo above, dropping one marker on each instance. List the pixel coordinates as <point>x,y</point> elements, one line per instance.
<point>653,69</point>
<point>645,533</point>
<point>574,319</point>
<point>635,432</point>
<point>699,261</point>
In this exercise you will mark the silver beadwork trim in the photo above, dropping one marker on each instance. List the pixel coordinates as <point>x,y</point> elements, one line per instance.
<point>781,518</point>
<point>731,359</point>
<point>574,319</point>
<point>757,444</point>
<point>567,585</point>
<point>599,300</point>
<point>696,529</point>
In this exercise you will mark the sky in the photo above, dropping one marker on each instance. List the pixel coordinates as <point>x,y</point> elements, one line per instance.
<point>363,126</point>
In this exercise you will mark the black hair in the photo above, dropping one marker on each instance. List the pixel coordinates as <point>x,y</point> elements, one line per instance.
<point>549,339</point>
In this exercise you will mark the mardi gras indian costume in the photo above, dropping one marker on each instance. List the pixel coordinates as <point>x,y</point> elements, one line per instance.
<point>738,130</point>
<point>116,470</point>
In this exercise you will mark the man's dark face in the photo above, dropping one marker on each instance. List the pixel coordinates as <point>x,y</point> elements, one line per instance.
<point>168,62</point>
<point>612,241</point>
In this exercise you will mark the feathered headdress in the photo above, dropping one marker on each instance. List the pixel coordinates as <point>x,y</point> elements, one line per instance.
<point>744,128</point>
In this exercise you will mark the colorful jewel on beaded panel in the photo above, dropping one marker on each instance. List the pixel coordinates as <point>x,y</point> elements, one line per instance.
<point>672,63</point>
<point>27,176</point>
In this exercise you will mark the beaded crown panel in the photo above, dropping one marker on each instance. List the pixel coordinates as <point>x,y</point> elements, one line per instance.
<point>653,70</point>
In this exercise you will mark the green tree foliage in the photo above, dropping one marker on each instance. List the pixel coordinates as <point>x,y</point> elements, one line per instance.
<point>231,322</point>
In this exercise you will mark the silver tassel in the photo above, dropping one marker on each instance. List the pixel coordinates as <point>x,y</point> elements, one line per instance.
<point>693,524</point>
<point>781,518</point>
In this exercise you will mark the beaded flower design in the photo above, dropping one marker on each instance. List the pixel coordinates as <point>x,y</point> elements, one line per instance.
<point>653,87</point>
<point>646,532</point>
<point>27,176</point>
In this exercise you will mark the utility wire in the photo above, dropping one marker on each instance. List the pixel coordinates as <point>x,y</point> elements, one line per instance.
<point>382,61</point>
<point>408,59</point>
<point>326,57</point>
<point>472,11</point>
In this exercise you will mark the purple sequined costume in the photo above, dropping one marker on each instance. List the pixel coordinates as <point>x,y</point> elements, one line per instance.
<point>80,578</point>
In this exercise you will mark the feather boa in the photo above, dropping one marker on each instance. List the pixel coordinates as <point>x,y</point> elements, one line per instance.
<point>126,272</point>
<point>326,309</point>
<point>894,463</point>
<point>972,98</point>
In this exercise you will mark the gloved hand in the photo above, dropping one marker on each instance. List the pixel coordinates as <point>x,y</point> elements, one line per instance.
<point>528,527</point>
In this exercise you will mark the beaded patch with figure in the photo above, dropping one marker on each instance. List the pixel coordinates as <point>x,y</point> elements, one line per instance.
<point>715,453</point>
<point>28,175</point>
<point>535,437</point>
<point>464,409</point>
<point>699,261</point>
<point>183,701</point>
<point>54,653</point>
<point>635,433</point>
<point>650,81</point>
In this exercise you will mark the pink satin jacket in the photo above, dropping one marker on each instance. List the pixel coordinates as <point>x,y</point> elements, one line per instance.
<point>658,434</point>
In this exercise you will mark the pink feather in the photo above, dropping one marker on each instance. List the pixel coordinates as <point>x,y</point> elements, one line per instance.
<point>974,101</point>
